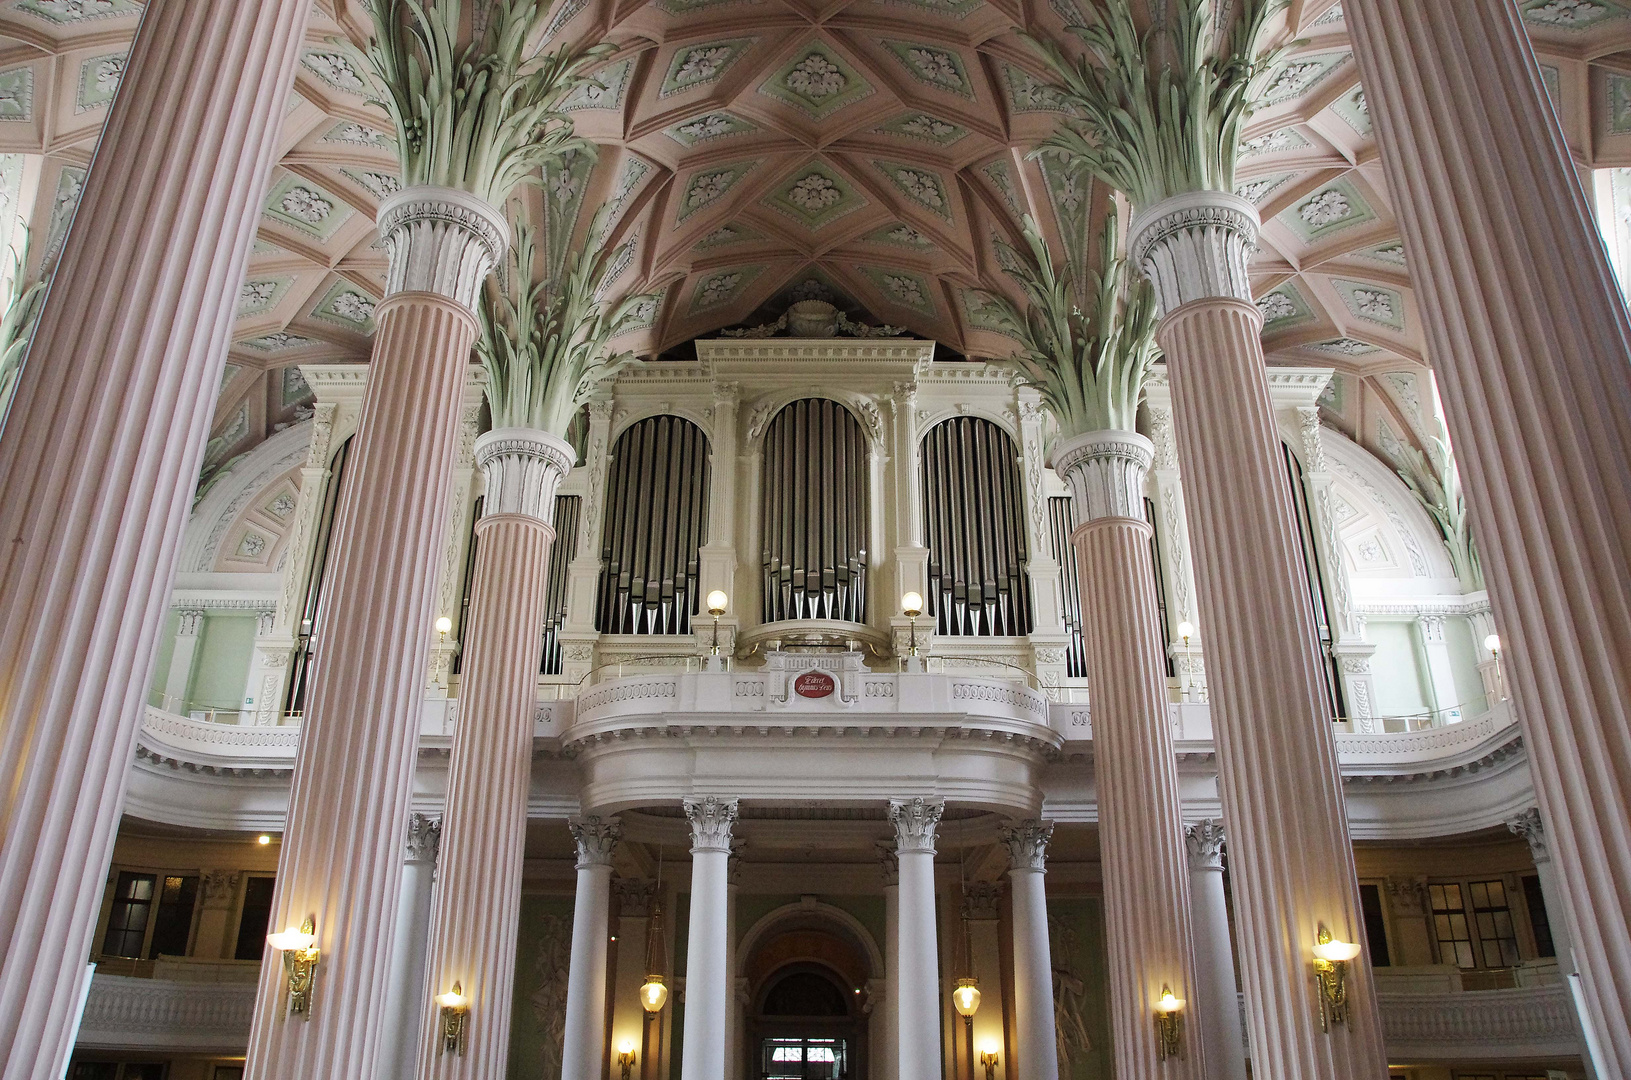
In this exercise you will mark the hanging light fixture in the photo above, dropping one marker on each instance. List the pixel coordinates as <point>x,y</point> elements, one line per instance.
<point>654,993</point>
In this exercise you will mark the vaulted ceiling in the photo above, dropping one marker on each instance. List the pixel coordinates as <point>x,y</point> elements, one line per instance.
<point>865,151</point>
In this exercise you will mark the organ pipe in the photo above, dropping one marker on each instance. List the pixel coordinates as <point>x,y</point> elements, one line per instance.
<point>1061,523</point>
<point>657,510</point>
<point>568,508</point>
<point>976,531</point>
<point>815,514</point>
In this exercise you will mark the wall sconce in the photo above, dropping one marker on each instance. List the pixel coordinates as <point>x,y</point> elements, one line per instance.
<point>988,1060</point>
<point>300,952</point>
<point>1331,958</point>
<point>653,994</point>
<point>911,605</point>
<point>1169,1025</point>
<point>455,1011</point>
<point>716,607</point>
<point>625,1056</point>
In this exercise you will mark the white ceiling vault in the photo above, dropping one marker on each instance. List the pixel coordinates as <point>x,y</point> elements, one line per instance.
<point>865,150</point>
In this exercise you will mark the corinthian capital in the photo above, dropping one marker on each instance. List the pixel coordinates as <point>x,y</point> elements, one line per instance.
<point>597,839</point>
<point>915,821</point>
<point>1027,843</point>
<point>424,839</point>
<point>1204,842</point>
<point>440,240</point>
<point>1196,246</point>
<point>1529,826</point>
<point>711,820</point>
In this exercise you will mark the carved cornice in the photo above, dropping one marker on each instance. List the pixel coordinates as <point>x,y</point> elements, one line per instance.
<point>524,468</point>
<point>1105,472</point>
<point>1027,844</point>
<point>441,241</point>
<point>915,821</point>
<point>711,820</point>
<point>1196,246</point>
<point>1205,843</point>
<point>596,839</point>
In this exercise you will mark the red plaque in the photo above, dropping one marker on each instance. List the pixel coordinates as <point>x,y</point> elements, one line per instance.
<point>814,684</point>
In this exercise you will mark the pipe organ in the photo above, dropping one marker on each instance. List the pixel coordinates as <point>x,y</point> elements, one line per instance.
<point>656,518</point>
<point>974,526</point>
<point>568,509</point>
<point>1061,524</point>
<point>816,513</point>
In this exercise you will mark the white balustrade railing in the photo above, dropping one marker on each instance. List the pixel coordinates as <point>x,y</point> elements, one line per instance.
<point>161,1014</point>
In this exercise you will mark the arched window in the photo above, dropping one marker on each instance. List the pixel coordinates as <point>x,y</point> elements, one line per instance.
<point>975,527</point>
<point>313,611</point>
<point>815,514</point>
<point>656,519</point>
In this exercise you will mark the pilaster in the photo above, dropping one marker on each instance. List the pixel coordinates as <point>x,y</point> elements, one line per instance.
<point>578,633</point>
<point>1166,490</point>
<point>717,559</point>
<point>177,681</point>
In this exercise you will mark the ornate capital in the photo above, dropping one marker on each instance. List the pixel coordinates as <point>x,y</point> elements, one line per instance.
<point>915,821</point>
<point>1205,842</point>
<point>189,621</point>
<point>1105,472</point>
<point>524,468</point>
<point>1166,444</point>
<point>1308,422</point>
<point>218,886</point>
<point>441,241</point>
<point>1529,826</point>
<point>424,838</point>
<point>597,839</point>
<point>711,820</point>
<point>1408,896</point>
<point>1432,627</point>
<point>322,434</point>
<point>1027,843</point>
<point>1196,246</point>
<point>982,900</point>
<point>634,896</point>
<point>888,865</point>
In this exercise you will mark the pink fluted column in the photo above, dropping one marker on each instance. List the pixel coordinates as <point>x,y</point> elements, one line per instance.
<point>98,460</point>
<point>1036,1054</point>
<point>341,861</point>
<point>477,908</point>
<point>1146,870</point>
<point>1529,342</point>
<point>1292,859</point>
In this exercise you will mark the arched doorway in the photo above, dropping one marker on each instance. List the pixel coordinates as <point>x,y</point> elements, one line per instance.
<point>806,1025</point>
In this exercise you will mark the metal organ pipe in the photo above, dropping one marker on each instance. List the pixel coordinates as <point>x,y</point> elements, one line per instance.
<point>975,530</point>
<point>815,514</point>
<point>656,515</point>
<point>568,509</point>
<point>1061,523</point>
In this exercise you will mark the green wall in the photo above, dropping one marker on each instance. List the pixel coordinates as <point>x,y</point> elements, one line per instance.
<point>538,1013</point>
<point>1076,938</point>
<point>226,644</point>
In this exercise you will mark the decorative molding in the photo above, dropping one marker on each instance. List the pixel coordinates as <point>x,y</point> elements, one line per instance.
<point>523,468</point>
<point>441,241</point>
<point>888,865</point>
<point>915,820</point>
<point>424,839</point>
<point>1196,246</point>
<point>218,887</point>
<point>634,896</point>
<point>711,820</point>
<point>1529,826</point>
<point>982,900</point>
<point>1105,471</point>
<point>1408,896</point>
<point>1027,844</point>
<point>1205,843</point>
<point>596,839</point>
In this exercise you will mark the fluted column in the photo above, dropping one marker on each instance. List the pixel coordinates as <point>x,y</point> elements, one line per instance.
<point>1146,882</point>
<point>474,925</point>
<point>1277,768</point>
<point>917,956</point>
<point>1036,1056</point>
<point>99,454</point>
<point>583,1048</point>
<point>348,810</point>
<point>707,982</point>
<point>1530,341</point>
<point>1219,1006</point>
<point>407,1000</point>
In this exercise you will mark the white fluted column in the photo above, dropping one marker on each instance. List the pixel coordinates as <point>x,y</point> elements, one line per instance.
<point>886,1059</point>
<point>1277,767</point>
<point>1222,1036</point>
<point>1036,1056</point>
<point>707,982</point>
<point>99,454</point>
<point>405,1004</point>
<point>1530,340</point>
<point>583,1049</point>
<point>341,860</point>
<point>917,957</point>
